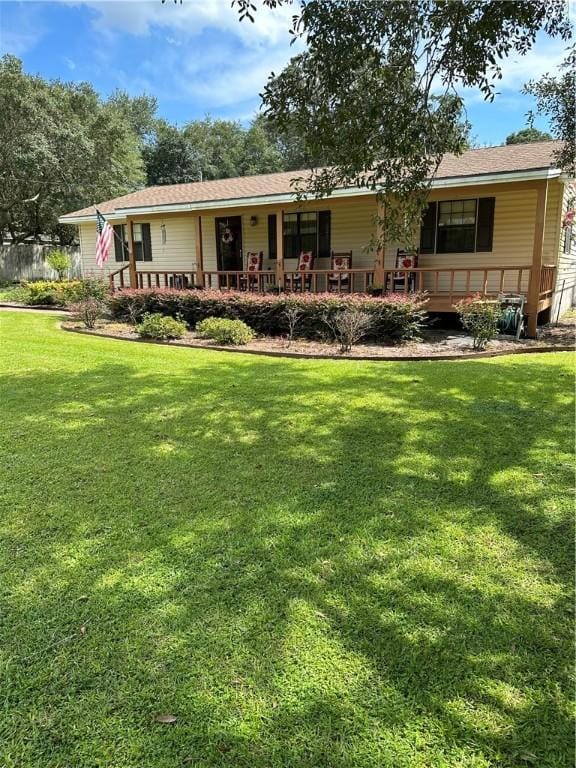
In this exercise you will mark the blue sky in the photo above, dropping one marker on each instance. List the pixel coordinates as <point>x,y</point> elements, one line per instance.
<point>197,59</point>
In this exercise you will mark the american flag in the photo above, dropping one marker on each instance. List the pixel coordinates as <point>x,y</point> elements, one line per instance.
<point>104,239</point>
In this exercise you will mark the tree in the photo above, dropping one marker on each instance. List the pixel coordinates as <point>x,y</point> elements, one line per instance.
<point>140,112</point>
<point>260,154</point>
<point>171,158</point>
<point>219,145</point>
<point>226,149</point>
<point>62,148</point>
<point>60,262</point>
<point>556,98</point>
<point>375,92</point>
<point>527,135</point>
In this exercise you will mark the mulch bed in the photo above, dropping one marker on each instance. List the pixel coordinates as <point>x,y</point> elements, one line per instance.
<point>435,344</point>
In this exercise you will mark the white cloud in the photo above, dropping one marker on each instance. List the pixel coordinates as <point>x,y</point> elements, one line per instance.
<point>191,19</point>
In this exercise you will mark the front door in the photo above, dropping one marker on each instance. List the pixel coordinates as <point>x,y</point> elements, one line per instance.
<point>229,243</point>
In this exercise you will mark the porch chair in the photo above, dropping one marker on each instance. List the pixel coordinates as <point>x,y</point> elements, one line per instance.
<point>305,265</point>
<point>254,261</point>
<point>399,280</point>
<point>339,263</point>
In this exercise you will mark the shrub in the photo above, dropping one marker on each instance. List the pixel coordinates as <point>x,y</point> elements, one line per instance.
<point>349,326</point>
<point>88,311</point>
<point>65,292</point>
<point>224,331</point>
<point>16,293</point>
<point>60,262</point>
<point>480,318</point>
<point>395,316</point>
<point>156,326</point>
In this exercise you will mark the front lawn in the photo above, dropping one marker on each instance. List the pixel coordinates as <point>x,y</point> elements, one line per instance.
<point>308,563</point>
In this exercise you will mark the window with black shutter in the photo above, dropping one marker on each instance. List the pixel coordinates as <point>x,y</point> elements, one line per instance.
<point>458,226</point>
<point>324,223</point>
<point>142,242</point>
<point>272,236</point>
<point>120,243</point>
<point>428,229</point>
<point>485,227</point>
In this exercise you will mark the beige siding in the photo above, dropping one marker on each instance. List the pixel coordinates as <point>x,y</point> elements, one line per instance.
<point>353,228</point>
<point>566,275</point>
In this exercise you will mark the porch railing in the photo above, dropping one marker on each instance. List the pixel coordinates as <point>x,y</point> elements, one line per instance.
<point>446,285</point>
<point>242,280</point>
<point>547,281</point>
<point>455,282</point>
<point>318,280</point>
<point>117,277</point>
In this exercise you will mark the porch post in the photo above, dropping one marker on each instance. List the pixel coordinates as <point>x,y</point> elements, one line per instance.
<point>280,248</point>
<point>537,253</point>
<point>199,252</point>
<point>131,255</point>
<point>381,250</point>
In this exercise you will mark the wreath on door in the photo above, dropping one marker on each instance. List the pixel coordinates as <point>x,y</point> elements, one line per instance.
<point>227,236</point>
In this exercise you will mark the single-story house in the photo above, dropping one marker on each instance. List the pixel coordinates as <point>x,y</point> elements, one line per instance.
<point>496,222</point>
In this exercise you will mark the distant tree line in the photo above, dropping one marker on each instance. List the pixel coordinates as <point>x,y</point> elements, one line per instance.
<point>64,147</point>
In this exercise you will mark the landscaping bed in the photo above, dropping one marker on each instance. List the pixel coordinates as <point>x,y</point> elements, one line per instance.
<point>433,343</point>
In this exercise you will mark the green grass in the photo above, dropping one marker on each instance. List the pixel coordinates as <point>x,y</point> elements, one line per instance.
<point>309,563</point>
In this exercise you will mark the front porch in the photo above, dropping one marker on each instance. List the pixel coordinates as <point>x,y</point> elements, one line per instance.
<point>213,251</point>
<point>443,287</point>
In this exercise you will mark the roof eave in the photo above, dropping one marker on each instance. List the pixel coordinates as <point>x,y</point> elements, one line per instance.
<point>500,177</point>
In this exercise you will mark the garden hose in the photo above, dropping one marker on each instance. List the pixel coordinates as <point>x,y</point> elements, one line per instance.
<point>509,319</point>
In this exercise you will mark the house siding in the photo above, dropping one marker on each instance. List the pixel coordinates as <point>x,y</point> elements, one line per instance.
<point>566,273</point>
<point>353,228</point>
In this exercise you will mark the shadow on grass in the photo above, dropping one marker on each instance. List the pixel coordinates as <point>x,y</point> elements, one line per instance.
<point>311,564</point>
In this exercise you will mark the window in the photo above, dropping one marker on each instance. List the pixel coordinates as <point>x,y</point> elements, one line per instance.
<point>456,232</point>
<point>304,231</point>
<point>141,238</point>
<point>458,226</point>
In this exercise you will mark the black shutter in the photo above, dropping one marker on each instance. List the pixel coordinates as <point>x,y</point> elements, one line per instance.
<point>485,223</point>
<point>119,243</point>
<point>146,242</point>
<point>272,236</point>
<point>324,234</point>
<point>567,239</point>
<point>428,229</point>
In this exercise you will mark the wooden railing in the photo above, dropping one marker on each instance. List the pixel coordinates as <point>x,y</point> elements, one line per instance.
<point>166,279</point>
<point>341,281</point>
<point>117,273</point>
<point>446,285</point>
<point>547,281</point>
<point>454,282</point>
<point>240,280</point>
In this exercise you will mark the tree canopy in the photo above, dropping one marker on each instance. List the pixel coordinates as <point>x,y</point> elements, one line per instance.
<point>527,135</point>
<point>376,91</point>
<point>556,98</point>
<point>62,148</point>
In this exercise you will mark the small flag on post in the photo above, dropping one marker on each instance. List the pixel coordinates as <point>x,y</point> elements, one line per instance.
<point>104,239</point>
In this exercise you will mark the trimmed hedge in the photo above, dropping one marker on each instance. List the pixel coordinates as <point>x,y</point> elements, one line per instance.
<point>396,316</point>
